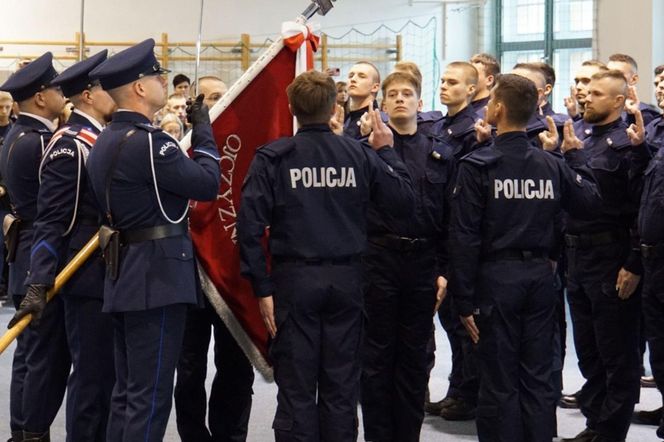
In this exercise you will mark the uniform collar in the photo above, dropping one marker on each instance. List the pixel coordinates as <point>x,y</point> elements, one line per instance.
<point>88,119</point>
<point>512,139</point>
<point>314,128</point>
<point>45,121</point>
<point>129,116</point>
<point>479,104</point>
<point>601,130</point>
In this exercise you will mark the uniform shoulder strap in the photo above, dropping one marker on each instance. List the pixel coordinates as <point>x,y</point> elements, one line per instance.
<point>483,157</point>
<point>277,148</point>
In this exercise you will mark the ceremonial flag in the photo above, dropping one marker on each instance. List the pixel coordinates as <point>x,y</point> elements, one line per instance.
<point>253,112</point>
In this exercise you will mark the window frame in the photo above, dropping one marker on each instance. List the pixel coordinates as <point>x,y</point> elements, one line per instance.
<point>548,45</point>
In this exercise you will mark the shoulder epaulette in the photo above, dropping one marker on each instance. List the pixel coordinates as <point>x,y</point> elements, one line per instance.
<point>147,127</point>
<point>78,133</point>
<point>484,156</point>
<point>277,148</point>
<point>430,116</point>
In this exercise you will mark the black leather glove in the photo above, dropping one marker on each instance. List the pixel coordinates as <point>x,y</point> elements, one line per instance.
<point>198,112</point>
<point>33,303</point>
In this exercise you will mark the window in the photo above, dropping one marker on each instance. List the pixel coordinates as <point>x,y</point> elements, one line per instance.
<point>558,32</point>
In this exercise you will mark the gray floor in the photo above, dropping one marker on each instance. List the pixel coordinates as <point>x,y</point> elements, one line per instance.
<point>570,422</point>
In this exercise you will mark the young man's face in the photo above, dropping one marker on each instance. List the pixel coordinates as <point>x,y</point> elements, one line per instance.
<point>401,101</point>
<point>5,109</point>
<point>454,89</point>
<point>178,106</point>
<point>659,90</point>
<point>182,89</point>
<point>582,81</point>
<point>362,81</point>
<point>54,101</point>
<point>102,103</point>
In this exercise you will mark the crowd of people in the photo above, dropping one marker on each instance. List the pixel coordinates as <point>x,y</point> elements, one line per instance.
<point>493,216</point>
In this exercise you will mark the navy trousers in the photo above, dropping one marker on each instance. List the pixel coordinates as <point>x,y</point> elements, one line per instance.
<point>606,337</point>
<point>653,314</point>
<point>399,303</point>
<point>147,348</point>
<point>230,394</point>
<point>39,371</point>
<point>315,353</point>
<point>90,339</point>
<point>516,321</point>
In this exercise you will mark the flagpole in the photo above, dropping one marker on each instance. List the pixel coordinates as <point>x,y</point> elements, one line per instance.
<point>317,6</point>
<point>198,46</point>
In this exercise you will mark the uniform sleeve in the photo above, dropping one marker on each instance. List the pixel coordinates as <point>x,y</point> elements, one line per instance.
<point>639,159</point>
<point>56,203</point>
<point>391,186</point>
<point>581,198</point>
<point>196,178</point>
<point>443,246</point>
<point>465,237</point>
<point>253,218</point>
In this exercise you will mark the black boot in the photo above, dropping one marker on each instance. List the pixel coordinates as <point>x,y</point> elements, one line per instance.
<point>36,437</point>
<point>17,436</point>
<point>586,435</point>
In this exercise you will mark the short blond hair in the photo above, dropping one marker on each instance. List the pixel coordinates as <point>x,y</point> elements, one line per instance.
<point>5,96</point>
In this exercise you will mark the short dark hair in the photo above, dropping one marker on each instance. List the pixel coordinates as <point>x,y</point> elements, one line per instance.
<point>490,63</point>
<point>405,77</point>
<point>546,70</point>
<point>659,69</point>
<point>614,75</point>
<point>518,95</point>
<point>312,96</point>
<point>624,58</point>
<point>180,78</point>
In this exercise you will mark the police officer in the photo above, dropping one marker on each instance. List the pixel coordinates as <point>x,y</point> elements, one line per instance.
<point>576,102</point>
<point>655,130</point>
<point>488,70</point>
<point>41,359</point>
<point>363,86</point>
<point>538,121</point>
<point>313,191</point>
<point>406,267</point>
<point>457,130</point>
<point>143,182</point>
<point>652,252</point>
<point>605,266</point>
<point>501,233</point>
<point>66,219</point>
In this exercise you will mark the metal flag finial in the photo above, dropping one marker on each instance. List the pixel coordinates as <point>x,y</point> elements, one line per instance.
<point>321,7</point>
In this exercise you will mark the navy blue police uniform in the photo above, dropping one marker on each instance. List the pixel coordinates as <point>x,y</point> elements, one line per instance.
<point>655,134</point>
<point>582,129</point>
<point>67,218</point>
<point>231,389</point>
<point>41,360</point>
<point>606,328</point>
<point>313,191</point>
<point>501,235</point>
<point>538,124</point>
<point>457,132</point>
<point>651,234</point>
<point>404,257</point>
<point>648,112</point>
<point>479,106</point>
<point>5,208</point>
<point>143,182</point>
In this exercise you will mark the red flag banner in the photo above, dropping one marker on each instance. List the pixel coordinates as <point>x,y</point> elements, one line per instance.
<point>258,115</point>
